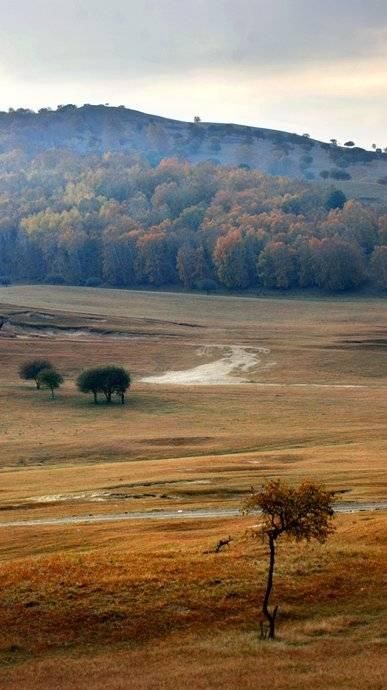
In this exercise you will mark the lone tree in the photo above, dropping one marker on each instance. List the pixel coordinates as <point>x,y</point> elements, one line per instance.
<point>301,513</point>
<point>106,380</point>
<point>50,378</point>
<point>29,371</point>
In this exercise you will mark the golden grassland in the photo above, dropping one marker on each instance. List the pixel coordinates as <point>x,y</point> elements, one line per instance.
<point>149,606</point>
<point>142,605</point>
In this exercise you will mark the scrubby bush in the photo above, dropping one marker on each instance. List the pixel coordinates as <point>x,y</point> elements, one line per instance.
<point>54,279</point>
<point>306,161</point>
<point>207,285</point>
<point>214,144</point>
<point>93,282</point>
<point>340,175</point>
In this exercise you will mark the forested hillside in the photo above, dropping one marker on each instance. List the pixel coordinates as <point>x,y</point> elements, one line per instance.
<point>98,129</point>
<point>117,219</point>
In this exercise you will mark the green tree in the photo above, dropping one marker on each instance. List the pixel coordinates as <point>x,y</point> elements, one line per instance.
<point>29,371</point>
<point>335,199</point>
<point>301,513</point>
<point>109,381</point>
<point>50,378</point>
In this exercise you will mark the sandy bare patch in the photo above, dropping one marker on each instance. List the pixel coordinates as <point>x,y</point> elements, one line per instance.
<point>235,360</point>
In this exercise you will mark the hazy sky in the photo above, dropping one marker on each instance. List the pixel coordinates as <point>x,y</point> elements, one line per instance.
<point>317,66</point>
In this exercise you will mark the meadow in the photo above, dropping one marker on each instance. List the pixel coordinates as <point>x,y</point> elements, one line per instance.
<point>147,604</point>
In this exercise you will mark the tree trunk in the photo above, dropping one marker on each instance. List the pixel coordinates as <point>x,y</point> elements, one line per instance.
<point>37,384</point>
<point>269,585</point>
<point>52,394</point>
<point>95,397</point>
<point>122,398</point>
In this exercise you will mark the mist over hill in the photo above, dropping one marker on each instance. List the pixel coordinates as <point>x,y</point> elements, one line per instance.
<point>99,129</point>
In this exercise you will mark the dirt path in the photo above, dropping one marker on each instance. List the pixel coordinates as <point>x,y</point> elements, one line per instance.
<point>198,514</point>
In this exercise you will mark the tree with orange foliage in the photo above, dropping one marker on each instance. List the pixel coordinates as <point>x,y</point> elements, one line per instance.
<point>230,259</point>
<point>301,513</point>
<point>277,266</point>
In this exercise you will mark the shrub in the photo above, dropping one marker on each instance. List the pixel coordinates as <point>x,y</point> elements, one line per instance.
<point>306,161</point>
<point>54,279</point>
<point>214,144</point>
<point>207,285</point>
<point>340,175</point>
<point>93,282</point>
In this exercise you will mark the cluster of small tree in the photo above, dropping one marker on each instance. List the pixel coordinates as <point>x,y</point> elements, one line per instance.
<point>43,373</point>
<point>116,220</point>
<point>108,380</point>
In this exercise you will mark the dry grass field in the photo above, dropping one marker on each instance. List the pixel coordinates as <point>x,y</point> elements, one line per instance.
<point>142,604</point>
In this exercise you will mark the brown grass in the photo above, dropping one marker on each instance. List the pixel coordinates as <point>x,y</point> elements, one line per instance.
<point>141,605</point>
<point>146,591</point>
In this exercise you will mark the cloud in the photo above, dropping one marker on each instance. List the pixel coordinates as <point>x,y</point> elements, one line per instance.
<point>50,38</point>
<point>292,64</point>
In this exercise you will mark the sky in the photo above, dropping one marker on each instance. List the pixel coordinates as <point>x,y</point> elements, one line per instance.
<point>316,66</point>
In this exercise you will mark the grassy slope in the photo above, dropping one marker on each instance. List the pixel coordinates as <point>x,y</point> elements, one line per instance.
<point>83,607</point>
<point>145,607</point>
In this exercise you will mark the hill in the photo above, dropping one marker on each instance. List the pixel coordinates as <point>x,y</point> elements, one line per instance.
<point>99,195</point>
<point>100,129</point>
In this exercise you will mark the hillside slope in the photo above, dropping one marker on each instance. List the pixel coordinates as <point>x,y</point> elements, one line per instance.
<point>99,129</point>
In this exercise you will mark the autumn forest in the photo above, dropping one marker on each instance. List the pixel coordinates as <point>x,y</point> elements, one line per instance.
<point>118,219</point>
